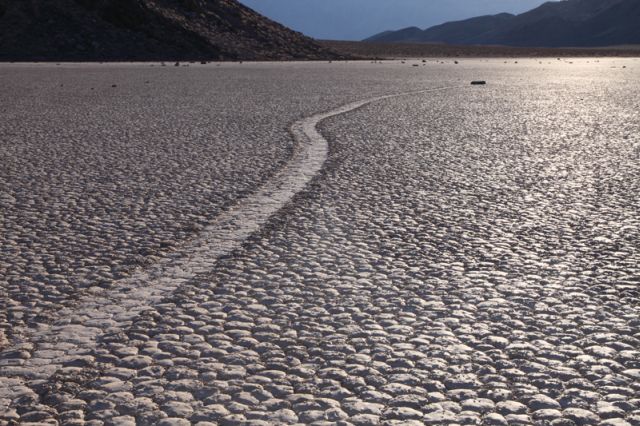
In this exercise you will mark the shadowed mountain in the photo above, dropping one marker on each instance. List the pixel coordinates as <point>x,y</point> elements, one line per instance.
<point>553,24</point>
<point>145,30</point>
<point>473,29</point>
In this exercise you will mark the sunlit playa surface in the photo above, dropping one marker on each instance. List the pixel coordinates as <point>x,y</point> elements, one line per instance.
<point>321,243</point>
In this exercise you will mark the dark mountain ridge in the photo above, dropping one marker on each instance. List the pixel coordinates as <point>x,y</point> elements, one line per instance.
<point>566,23</point>
<point>145,30</point>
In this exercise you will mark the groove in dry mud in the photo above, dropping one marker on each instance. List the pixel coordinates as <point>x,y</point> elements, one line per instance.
<point>114,309</point>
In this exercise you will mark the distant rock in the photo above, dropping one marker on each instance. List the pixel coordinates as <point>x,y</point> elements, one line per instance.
<point>146,30</point>
<point>569,23</point>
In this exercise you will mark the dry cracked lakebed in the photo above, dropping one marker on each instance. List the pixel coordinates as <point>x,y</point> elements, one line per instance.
<point>176,250</point>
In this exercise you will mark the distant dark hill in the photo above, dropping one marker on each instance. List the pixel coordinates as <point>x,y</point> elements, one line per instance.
<point>472,30</point>
<point>626,16</point>
<point>554,24</point>
<point>407,35</point>
<point>145,30</point>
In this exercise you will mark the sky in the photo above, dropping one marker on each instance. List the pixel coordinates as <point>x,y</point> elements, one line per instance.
<point>359,19</point>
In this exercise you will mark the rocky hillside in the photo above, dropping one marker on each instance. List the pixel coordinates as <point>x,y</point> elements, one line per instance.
<point>145,30</point>
<point>568,23</point>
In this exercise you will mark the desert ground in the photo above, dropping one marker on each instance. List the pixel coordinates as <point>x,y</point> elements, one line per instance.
<point>346,243</point>
<point>376,50</point>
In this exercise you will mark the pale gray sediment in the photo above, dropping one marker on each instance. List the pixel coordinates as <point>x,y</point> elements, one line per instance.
<point>98,181</point>
<point>109,311</point>
<point>466,257</point>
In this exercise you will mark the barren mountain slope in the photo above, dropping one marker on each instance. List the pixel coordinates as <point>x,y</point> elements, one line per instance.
<point>145,29</point>
<point>567,23</point>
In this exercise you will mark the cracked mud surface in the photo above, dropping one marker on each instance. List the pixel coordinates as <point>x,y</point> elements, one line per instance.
<point>98,180</point>
<point>465,257</point>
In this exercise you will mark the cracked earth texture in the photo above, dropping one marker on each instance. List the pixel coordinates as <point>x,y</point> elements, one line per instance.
<point>469,256</point>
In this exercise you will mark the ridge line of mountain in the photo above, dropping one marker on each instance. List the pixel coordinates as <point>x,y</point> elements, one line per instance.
<point>567,23</point>
<point>124,30</point>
